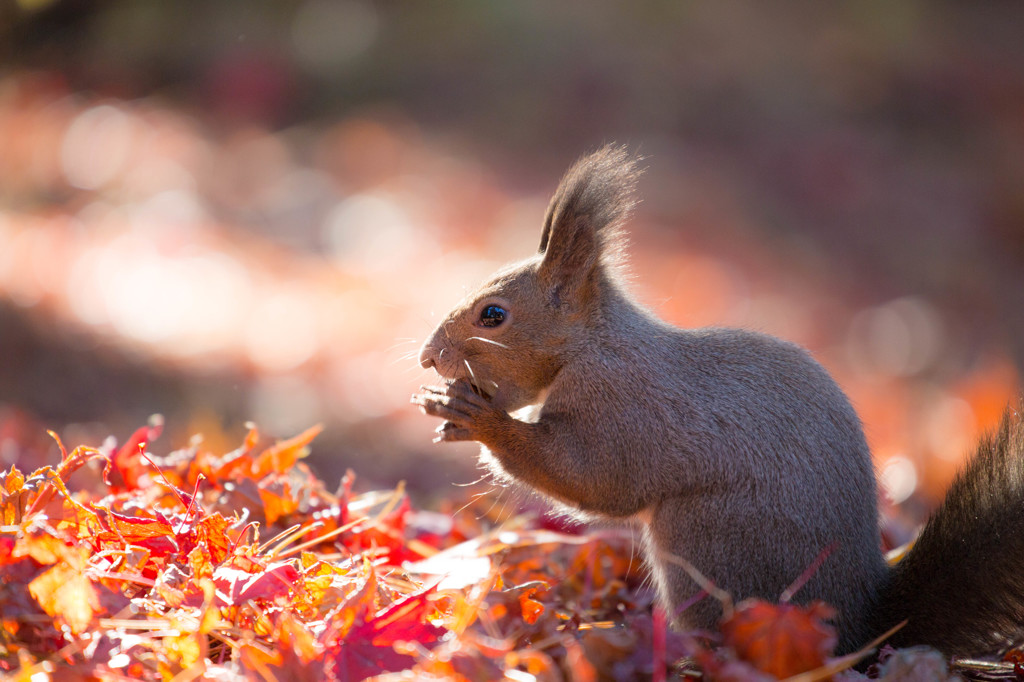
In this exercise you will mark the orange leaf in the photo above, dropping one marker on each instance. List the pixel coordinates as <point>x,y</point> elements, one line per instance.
<point>781,639</point>
<point>576,658</point>
<point>252,437</point>
<point>260,660</point>
<point>276,505</point>
<point>54,483</point>
<point>12,497</point>
<point>282,456</point>
<point>78,457</point>
<point>65,592</point>
<point>293,633</point>
<point>359,602</point>
<point>14,480</point>
<point>199,560</point>
<point>531,607</point>
<point>212,530</point>
<point>155,535</point>
<point>47,549</point>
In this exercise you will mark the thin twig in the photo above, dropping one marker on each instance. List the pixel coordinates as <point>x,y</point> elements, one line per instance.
<point>707,585</point>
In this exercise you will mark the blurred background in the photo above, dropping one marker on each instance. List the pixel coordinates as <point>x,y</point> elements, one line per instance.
<point>256,210</point>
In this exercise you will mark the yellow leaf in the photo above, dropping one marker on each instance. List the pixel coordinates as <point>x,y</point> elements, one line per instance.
<point>64,592</point>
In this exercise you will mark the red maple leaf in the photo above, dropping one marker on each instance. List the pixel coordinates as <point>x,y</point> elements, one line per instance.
<point>126,467</point>
<point>368,648</point>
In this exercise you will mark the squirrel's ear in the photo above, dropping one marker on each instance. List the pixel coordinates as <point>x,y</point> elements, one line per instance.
<point>571,255</point>
<point>582,225</point>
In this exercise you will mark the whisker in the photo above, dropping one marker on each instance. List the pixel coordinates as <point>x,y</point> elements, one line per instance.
<point>632,550</point>
<point>472,374</point>
<point>480,338</point>
<point>466,485</point>
<point>404,358</point>
<point>429,324</point>
<point>473,500</point>
<point>505,514</point>
<point>497,498</point>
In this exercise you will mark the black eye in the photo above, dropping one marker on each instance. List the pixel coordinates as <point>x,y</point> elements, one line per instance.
<point>492,316</point>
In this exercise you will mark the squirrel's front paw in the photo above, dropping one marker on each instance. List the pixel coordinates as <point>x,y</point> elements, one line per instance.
<point>468,415</point>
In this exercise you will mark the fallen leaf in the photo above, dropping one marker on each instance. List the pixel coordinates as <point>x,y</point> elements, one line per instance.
<point>780,639</point>
<point>66,593</point>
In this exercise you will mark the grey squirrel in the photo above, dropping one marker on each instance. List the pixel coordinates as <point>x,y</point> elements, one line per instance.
<point>734,450</point>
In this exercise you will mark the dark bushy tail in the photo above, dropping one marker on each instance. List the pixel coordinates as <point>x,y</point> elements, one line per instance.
<point>961,587</point>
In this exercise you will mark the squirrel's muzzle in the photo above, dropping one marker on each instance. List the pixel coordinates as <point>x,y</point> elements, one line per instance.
<point>430,353</point>
<point>438,354</point>
<point>428,356</point>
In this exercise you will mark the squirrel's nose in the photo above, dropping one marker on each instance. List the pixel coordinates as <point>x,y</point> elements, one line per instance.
<point>428,357</point>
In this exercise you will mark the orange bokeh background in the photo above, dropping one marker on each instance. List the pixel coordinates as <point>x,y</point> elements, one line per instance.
<point>269,234</point>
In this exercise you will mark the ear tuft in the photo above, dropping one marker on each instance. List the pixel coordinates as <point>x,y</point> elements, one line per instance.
<point>599,189</point>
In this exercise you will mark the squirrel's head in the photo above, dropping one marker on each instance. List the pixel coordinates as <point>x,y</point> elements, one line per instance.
<point>511,336</point>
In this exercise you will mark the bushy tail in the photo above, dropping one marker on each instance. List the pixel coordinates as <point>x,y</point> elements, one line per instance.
<point>961,587</point>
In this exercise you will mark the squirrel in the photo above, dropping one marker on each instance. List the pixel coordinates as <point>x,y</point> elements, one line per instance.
<point>733,450</point>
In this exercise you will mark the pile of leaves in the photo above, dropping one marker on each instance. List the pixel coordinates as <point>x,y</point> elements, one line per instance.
<point>244,565</point>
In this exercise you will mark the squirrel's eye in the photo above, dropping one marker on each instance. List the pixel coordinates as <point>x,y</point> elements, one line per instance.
<point>492,316</point>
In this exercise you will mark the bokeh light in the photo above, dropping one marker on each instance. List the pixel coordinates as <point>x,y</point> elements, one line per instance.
<point>264,221</point>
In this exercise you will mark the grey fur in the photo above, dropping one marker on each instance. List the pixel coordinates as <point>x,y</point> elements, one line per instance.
<point>735,450</point>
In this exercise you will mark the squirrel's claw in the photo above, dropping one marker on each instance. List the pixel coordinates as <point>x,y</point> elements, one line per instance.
<point>463,390</point>
<point>449,432</point>
<point>467,414</point>
<point>439,405</point>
